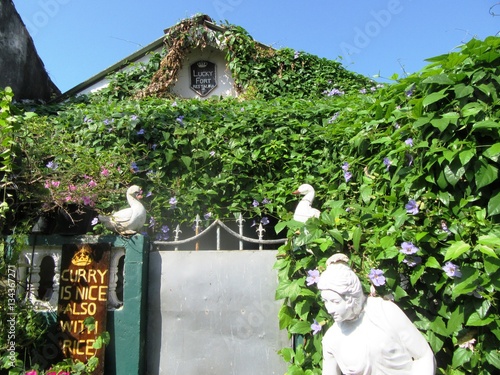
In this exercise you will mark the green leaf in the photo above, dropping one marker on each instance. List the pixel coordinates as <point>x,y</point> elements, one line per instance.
<point>494,205</point>
<point>441,79</point>
<point>356,238</point>
<point>493,358</point>
<point>486,174</point>
<point>434,97</point>
<point>456,249</point>
<point>433,263</point>
<point>493,152</point>
<point>300,327</point>
<point>467,283</point>
<point>461,356</point>
<point>476,321</point>
<point>486,124</point>
<point>285,316</point>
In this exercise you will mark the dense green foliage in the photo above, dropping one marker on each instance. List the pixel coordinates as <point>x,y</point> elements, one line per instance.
<point>416,161</point>
<point>422,168</point>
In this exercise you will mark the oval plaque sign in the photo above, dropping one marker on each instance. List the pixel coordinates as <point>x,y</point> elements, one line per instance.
<point>203,77</point>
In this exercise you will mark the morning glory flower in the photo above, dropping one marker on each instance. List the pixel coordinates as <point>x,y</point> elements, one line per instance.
<point>387,163</point>
<point>134,168</point>
<point>152,222</point>
<point>141,131</point>
<point>264,220</point>
<point>347,176</point>
<point>412,261</point>
<point>296,55</point>
<point>313,277</point>
<point>334,117</point>
<point>408,248</point>
<point>409,142</point>
<point>316,327</point>
<point>94,221</point>
<point>409,92</point>
<point>173,201</point>
<point>452,270</point>
<point>163,234</point>
<point>134,117</point>
<point>444,227</point>
<point>52,165</point>
<point>345,166</point>
<point>212,153</point>
<point>412,207</point>
<point>334,92</point>
<point>180,120</point>
<point>255,203</point>
<point>174,104</point>
<point>377,277</point>
<point>207,216</point>
<point>266,201</point>
<point>362,91</point>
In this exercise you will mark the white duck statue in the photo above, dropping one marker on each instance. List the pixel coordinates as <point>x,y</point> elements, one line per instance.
<point>129,220</point>
<point>304,209</point>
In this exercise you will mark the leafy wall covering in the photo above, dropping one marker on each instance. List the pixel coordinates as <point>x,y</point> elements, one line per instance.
<point>414,162</point>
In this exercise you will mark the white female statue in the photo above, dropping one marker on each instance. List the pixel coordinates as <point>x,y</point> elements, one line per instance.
<point>370,336</point>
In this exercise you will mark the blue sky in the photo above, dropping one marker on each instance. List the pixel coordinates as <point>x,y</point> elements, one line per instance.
<point>77,39</point>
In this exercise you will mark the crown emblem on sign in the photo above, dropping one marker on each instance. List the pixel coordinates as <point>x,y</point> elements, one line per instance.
<point>82,257</point>
<point>202,64</point>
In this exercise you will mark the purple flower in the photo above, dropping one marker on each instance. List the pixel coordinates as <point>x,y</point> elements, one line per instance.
<point>296,55</point>
<point>255,203</point>
<point>333,118</point>
<point>452,270</point>
<point>412,261</point>
<point>408,248</point>
<point>52,165</point>
<point>180,120</point>
<point>212,153</point>
<point>345,166</point>
<point>264,220</point>
<point>444,227</point>
<point>207,216</point>
<point>174,104</point>
<point>387,163</point>
<point>409,142</point>
<point>347,176</point>
<point>362,91</point>
<point>315,327</point>
<point>313,277</point>
<point>377,277</point>
<point>412,207</point>
<point>163,234</point>
<point>133,167</point>
<point>335,92</point>
<point>134,117</point>
<point>409,92</point>
<point>152,222</point>
<point>94,221</point>
<point>173,201</point>
<point>141,131</point>
<point>266,201</point>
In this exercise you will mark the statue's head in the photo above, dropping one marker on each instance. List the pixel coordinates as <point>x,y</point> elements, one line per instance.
<point>340,285</point>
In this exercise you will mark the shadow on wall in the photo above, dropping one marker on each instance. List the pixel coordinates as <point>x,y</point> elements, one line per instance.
<point>20,66</point>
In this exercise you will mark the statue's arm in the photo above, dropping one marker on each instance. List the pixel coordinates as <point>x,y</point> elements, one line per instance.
<point>413,340</point>
<point>330,366</point>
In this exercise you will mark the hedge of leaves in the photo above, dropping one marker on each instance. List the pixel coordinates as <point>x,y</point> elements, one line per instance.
<point>406,179</point>
<point>414,202</point>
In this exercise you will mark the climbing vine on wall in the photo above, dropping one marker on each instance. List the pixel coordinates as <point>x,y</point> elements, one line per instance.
<point>414,162</point>
<point>259,71</point>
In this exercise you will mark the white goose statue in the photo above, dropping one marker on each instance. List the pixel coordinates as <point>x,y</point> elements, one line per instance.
<point>129,220</point>
<point>304,209</point>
